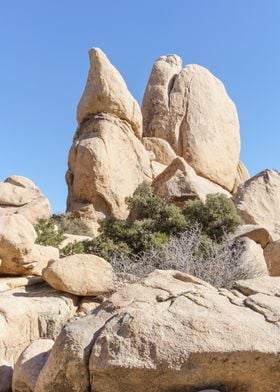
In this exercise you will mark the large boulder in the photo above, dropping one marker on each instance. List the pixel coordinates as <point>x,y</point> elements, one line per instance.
<point>272,257</point>
<point>179,182</point>
<point>30,364</point>
<point>19,195</point>
<point>30,313</point>
<point>107,160</point>
<point>19,255</point>
<point>106,164</point>
<point>80,274</point>
<point>6,375</point>
<point>257,201</point>
<point>252,259</point>
<point>106,92</point>
<point>190,108</point>
<point>172,332</point>
<point>17,237</point>
<point>256,233</point>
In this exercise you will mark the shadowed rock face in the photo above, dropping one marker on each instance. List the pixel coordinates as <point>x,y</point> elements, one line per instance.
<point>172,332</point>
<point>190,109</point>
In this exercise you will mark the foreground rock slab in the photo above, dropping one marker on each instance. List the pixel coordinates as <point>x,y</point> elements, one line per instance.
<point>80,274</point>
<point>29,313</point>
<point>172,332</point>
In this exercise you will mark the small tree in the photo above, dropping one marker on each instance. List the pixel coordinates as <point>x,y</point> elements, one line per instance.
<point>47,233</point>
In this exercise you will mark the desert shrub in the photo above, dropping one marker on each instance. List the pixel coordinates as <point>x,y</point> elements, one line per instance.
<point>217,216</point>
<point>72,249</point>
<point>152,221</point>
<point>48,233</point>
<point>71,225</point>
<point>217,263</point>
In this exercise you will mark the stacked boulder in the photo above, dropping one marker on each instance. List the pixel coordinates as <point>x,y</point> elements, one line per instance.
<point>186,113</point>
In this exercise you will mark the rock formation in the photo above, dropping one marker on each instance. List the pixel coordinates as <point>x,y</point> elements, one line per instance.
<point>107,160</point>
<point>19,195</point>
<point>172,332</point>
<point>190,109</point>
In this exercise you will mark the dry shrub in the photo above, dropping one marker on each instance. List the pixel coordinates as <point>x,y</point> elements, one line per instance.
<point>217,263</point>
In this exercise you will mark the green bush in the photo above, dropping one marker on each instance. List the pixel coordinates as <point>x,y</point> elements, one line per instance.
<point>152,221</point>
<point>71,225</point>
<point>72,249</point>
<point>47,233</point>
<point>217,217</point>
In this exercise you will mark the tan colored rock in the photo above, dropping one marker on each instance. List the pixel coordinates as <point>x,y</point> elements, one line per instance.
<point>161,148</point>
<point>6,374</point>
<point>157,168</point>
<point>241,176</point>
<point>256,233</point>
<point>87,305</point>
<point>20,195</point>
<point>11,283</point>
<point>30,364</point>
<point>80,274</point>
<point>106,92</point>
<point>179,182</point>
<point>41,256</point>
<point>130,342</point>
<point>272,257</point>
<point>190,108</point>
<point>67,365</point>
<point>106,164</point>
<point>17,237</point>
<point>252,259</point>
<point>30,313</point>
<point>258,201</point>
<point>268,285</point>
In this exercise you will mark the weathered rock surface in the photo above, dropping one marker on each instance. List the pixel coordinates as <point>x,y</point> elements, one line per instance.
<point>272,257</point>
<point>72,238</point>
<point>190,109</point>
<point>10,283</point>
<point>6,374</point>
<point>106,92</point>
<point>30,364</point>
<point>17,237</point>
<point>256,233</point>
<point>171,332</point>
<point>20,195</point>
<point>161,148</point>
<point>30,313</point>
<point>179,182</point>
<point>19,255</point>
<point>241,176</point>
<point>106,164</point>
<point>252,259</point>
<point>258,201</point>
<point>80,274</point>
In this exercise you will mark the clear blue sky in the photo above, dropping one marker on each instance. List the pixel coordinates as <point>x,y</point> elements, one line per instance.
<point>44,63</point>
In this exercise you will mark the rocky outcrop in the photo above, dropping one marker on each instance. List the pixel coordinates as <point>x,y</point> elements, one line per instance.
<point>179,182</point>
<point>29,313</point>
<point>80,274</point>
<point>272,257</point>
<point>106,92</point>
<point>190,109</point>
<point>30,364</point>
<point>107,161</point>
<point>252,259</point>
<point>19,195</point>
<point>172,332</point>
<point>257,201</point>
<point>19,255</point>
